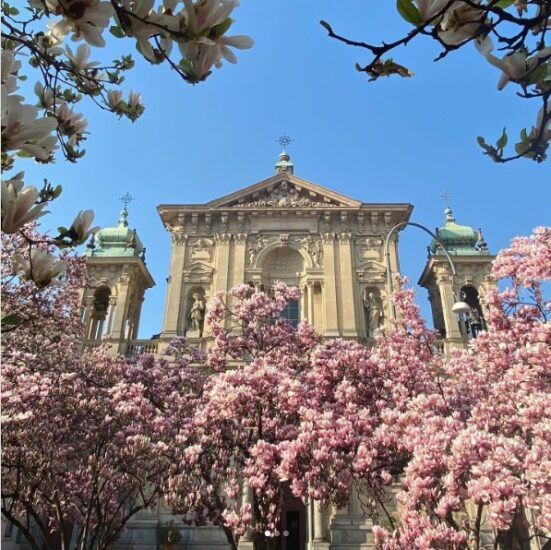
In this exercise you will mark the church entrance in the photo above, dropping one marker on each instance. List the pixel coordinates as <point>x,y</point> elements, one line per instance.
<point>292,533</point>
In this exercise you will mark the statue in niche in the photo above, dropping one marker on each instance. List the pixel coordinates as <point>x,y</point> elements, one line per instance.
<point>196,316</point>
<point>373,311</point>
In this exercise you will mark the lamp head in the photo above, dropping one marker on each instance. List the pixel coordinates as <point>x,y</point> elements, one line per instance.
<point>461,307</point>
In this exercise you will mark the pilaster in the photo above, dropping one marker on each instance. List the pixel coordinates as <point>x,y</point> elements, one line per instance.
<point>349,321</point>
<point>331,328</point>
<point>445,287</point>
<point>120,309</point>
<point>239,252</point>
<point>222,261</point>
<point>175,286</point>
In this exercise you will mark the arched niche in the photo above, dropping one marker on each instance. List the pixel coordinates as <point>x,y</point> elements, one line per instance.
<point>282,263</point>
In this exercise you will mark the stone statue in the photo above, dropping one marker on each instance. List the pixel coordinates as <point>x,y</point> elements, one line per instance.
<point>374,312</point>
<point>196,315</point>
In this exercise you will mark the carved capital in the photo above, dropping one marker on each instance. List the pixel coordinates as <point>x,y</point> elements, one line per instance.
<point>178,236</point>
<point>345,237</point>
<point>223,238</point>
<point>328,238</point>
<point>240,238</point>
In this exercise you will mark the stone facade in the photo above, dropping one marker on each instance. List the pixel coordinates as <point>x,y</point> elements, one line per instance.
<point>288,229</point>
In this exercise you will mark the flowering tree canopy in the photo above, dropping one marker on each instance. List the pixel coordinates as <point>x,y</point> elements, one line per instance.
<point>86,437</point>
<point>228,469</point>
<point>510,34</point>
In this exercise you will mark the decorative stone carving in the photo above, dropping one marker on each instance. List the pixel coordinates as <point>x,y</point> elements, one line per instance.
<point>328,237</point>
<point>285,196</point>
<point>256,246</point>
<point>314,248</point>
<point>370,248</point>
<point>201,250</point>
<point>374,313</point>
<point>223,237</point>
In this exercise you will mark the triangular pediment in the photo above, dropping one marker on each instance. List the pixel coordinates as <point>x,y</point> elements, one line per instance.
<point>285,190</point>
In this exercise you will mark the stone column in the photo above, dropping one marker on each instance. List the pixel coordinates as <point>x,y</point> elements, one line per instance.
<point>87,307</point>
<point>445,287</point>
<point>111,314</point>
<point>347,286</point>
<point>311,303</point>
<point>174,291</point>
<point>246,542</point>
<point>320,528</point>
<point>331,328</point>
<point>304,297</point>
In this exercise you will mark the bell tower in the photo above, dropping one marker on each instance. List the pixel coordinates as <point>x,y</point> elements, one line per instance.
<point>456,299</point>
<point>119,278</point>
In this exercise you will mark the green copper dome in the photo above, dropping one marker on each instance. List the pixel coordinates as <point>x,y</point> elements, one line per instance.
<point>116,241</point>
<point>458,239</point>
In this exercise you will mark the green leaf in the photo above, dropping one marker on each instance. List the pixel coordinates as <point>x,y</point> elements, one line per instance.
<point>12,319</point>
<point>502,141</point>
<point>408,10</point>
<point>115,30</point>
<point>503,4</point>
<point>538,75</point>
<point>221,29</point>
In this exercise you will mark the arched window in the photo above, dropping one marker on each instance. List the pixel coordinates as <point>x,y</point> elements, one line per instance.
<point>99,312</point>
<point>475,320</point>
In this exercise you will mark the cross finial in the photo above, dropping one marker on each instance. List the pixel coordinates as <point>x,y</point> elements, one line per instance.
<point>284,140</point>
<point>126,199</point>
<point>446,196</point>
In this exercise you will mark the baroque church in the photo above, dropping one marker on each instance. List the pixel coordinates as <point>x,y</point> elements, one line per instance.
<point>339,251</point>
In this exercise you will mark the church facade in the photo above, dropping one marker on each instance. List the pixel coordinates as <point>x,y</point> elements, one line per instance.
<point>340,252</point>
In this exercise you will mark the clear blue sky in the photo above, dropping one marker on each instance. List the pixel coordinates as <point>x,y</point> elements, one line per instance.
<point>403,140</point>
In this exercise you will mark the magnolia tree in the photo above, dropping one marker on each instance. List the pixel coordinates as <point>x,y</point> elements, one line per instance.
<point>511,35</point>
<point>87,438</point>
<point>189,36</point>
<point>467,439</point>
<point>228,471</point>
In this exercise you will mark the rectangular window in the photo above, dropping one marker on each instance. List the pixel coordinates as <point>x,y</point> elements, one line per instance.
<point>292,312</point>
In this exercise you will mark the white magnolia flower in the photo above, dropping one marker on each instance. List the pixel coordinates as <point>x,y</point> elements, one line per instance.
<point>80,228</point>
<point>429,8</point>
<point>86,19</point>
<point>515,66</point>
<point>114,97</point>
<point>9,68</point>
<point>138,10</point>
<point>45,96</point>
<point>207,49</point>
<point>71,123</point>
<point>18,204</point>
<point>134,99</point>
<point>42,268</point>
<point>79,60</point>
<point>22,130</point>
<point>460,23</point>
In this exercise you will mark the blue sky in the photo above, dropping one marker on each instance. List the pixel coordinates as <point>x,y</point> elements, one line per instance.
<point>403,140</point>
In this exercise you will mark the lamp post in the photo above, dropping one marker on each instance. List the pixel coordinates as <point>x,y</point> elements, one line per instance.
<point>459,307</point>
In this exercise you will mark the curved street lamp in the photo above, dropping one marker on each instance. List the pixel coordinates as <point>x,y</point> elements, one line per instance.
<point>459,307</point>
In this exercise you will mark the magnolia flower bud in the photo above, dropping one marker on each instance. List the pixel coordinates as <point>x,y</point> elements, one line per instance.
<point>18,204</point>
<point>114,97</point>
<point>80,228</point>
<point>42,268</point>
<point>134,99</point>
